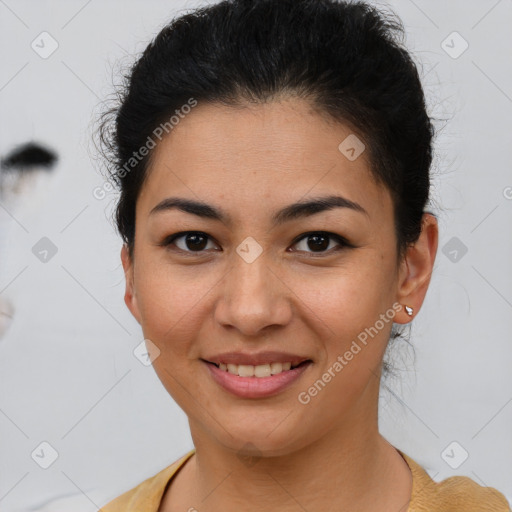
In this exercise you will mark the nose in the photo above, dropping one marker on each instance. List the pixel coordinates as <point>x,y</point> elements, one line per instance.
<point>253,297</point>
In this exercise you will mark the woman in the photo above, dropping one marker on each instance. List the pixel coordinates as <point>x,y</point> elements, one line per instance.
<point>273,158</point>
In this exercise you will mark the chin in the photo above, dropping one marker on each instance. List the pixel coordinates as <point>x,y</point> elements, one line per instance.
<point>256,442</point>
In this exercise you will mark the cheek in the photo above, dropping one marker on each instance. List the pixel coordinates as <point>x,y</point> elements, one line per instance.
<point>346,313</point>
<point>344,299</point>
<point>166,305</point>
<point>345,310</point>
<point>171,315</point>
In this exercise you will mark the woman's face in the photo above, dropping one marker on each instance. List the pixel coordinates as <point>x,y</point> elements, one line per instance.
<point>254,281</point>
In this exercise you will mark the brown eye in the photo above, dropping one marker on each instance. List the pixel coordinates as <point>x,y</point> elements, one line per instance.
<point>190,241</point>
<point>314,242</point>
<point>319,242</point>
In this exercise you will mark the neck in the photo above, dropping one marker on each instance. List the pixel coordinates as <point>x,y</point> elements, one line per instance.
<point>351,467</point>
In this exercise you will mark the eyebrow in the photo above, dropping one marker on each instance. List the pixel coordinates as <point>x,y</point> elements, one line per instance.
<point>291,212</point>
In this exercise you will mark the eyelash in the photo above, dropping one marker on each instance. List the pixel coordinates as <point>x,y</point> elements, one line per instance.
<point>168,241</point>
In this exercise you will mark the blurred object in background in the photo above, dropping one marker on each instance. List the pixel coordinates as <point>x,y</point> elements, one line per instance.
<point>21,171</point>
<point>22,167</point>
<point>6,314</point>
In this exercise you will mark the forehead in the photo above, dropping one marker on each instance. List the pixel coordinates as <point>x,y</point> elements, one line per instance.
<point>274,153</point>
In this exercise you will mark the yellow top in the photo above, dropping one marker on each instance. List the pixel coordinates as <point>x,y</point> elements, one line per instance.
<point>454,494</point>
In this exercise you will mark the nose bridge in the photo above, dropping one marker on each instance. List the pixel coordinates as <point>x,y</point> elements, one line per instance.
<point>252,296</point>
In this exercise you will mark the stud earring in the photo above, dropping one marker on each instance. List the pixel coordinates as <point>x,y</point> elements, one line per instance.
<point>409,310</point>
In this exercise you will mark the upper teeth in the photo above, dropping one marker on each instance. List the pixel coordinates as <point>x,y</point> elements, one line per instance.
<point>248,370</point>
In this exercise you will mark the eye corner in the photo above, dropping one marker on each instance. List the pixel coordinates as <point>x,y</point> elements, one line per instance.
<point>342,242</point>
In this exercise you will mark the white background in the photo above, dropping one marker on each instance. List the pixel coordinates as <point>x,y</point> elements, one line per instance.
<point>68,375</point>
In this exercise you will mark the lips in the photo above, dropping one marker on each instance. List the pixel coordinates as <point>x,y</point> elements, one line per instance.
<point>256,359</point>
<point>256,386</point>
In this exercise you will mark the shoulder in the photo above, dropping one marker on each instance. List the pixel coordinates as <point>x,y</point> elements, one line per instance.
<point>146,496</point>
<point>461,491</point>
<point>454,494</point>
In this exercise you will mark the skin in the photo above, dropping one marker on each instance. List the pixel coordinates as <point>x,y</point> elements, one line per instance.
<point>324,455</point>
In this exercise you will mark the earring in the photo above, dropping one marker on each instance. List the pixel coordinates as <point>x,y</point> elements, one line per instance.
<point>408,310</point>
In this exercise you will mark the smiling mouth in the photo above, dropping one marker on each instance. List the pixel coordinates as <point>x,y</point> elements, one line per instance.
<point>258,371</point>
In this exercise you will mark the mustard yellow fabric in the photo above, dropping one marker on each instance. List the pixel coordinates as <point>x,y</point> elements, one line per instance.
<point>454,494</point>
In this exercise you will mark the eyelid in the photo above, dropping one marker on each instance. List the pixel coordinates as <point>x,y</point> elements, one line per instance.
<point>327,234</point>
<point>169,240</point>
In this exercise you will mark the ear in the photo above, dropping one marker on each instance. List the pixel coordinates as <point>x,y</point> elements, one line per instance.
<point>416,269</point>
<point>130,297</point>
